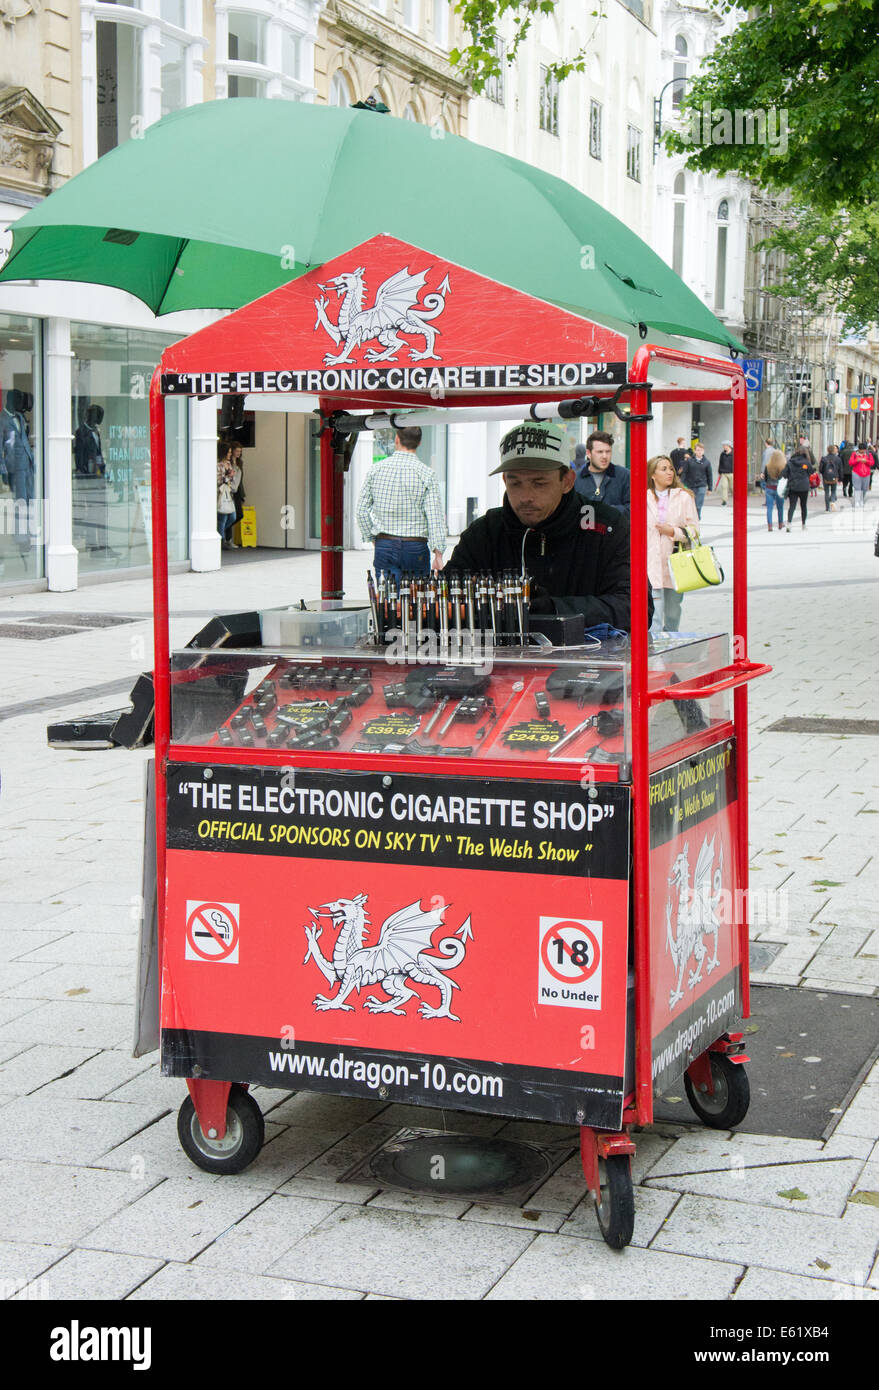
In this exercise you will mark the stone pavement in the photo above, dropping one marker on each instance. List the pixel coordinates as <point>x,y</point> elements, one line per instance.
<point>97,1198</point>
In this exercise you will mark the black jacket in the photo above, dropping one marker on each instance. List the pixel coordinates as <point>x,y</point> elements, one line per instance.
<point>724,462</point>
<point>830,468</point>
<point>611,486</point>
<point>679,458</point>
<point>585,571</point>
<point>797,472</point>
<point>697,473</point>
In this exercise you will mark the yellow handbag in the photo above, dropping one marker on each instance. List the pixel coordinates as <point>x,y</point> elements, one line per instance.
<point>693,566</point>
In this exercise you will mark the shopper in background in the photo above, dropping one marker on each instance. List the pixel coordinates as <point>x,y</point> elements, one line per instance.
<point>846,449</point>
<point>862,466</point>
<point>725,471</point>
<point>680,455</point>
<point>830,475</point>
<point>238,496</point>
<point>601,480</point>
<point>670,508</point>
<point>797,470</point>
<point>772,471</point>
<point>696,475</point>
<point>400,510</point>
<point>225,502</point>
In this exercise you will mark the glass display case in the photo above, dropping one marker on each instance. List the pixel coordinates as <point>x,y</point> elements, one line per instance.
<point>561,706</point>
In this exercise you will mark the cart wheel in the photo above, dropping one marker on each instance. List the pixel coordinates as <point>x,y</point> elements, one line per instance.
<point>732,1094</point>
<point>616,1211</point>
<point>245,1133</point>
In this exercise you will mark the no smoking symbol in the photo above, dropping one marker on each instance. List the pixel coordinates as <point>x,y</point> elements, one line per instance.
<point>212,932</point>
<point>570,952</point>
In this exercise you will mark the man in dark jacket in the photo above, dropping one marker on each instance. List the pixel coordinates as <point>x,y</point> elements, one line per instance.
<point>797,471</point>
<point>601,480</point>
<point>830,471</point>
<point>696,475</point>
<point>846,449</point>
<point>680,455</point>
<point>577,555</point>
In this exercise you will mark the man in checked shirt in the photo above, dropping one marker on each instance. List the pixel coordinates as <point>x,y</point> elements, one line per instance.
<point>400,509</point>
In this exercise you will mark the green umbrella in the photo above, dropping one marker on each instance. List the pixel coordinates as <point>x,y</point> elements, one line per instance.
<point>222,202</point>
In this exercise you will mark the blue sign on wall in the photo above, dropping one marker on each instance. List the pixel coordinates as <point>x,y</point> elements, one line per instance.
<point>753,369</point>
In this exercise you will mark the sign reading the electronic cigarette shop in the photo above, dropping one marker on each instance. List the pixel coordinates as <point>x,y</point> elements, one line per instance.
<point>437,940</point>
<point>695,908</point>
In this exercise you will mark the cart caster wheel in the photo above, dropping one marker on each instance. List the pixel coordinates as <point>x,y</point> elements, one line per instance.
<point>732,1094</point>
<point>616,1211</point>
<point>245,1133</point>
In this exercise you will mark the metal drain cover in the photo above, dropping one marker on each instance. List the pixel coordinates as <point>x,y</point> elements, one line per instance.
<point>474,1166</point>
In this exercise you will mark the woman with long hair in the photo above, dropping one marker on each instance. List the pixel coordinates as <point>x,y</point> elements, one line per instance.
<point>772,471</point>
<point>670,508</point>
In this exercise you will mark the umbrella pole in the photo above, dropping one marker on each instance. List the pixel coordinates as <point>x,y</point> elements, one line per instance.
<point>332,483</point>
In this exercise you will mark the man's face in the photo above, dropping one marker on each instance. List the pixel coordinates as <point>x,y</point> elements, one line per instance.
<point>599,456</point>
<point>700,450</point>
<point>534,495</point>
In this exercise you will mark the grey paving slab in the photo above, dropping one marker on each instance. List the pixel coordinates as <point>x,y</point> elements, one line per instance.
<point>78,1022</point>
<point>21,1263</point>
<point>326,1112</point>
<point>527,1218</point>
<point>192,1282</point>
<point>822,1186</point>
<point>57,1204</point>
<point>80,947</point>
<point>67,1131</point>
<point>101,1076</point>
<point>770,1286</point>
<point>86,1275</point>
<point>101,984</point>
<point>265,1234</point>
<point>343,1155</point>
<point>702,1150</point>
<point>323,1189</point>
<point>34,1067</point>
<point>796,1242</point>
<point>384,1252</point>
<point>393,1199</point>
<point>19,941</point>
<point>175,1220</point>
<point>558,1267</point>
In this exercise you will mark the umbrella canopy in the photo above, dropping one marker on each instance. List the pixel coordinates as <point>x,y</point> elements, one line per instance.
<point>222,202</point>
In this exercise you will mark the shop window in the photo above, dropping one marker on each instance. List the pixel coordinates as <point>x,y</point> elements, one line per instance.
<point>247,41</point>
<point>245,86</point>
<point>596,121</point>
<point>633,153</point>
<point>720,264</point>
<point>677,255</point>
<point>22,520</point>
<point>173,88</point>
<point>119,83</point>
<point>173,12</point>
<point>679,71</point>
<point>411,14</point>
<point>291,53</point>
<point>110,458</point>
<point>494,85</point>
<point>549,101</point>
<point>441,23</point>
<point>340,92</point>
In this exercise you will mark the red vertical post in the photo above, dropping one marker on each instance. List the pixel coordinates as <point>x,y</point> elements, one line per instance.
<point>161,637</point>
<point>332,483</point>
<point>740,650</point>
<point>640,748</point>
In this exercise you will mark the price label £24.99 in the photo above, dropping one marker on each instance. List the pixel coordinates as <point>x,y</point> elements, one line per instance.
<point>569,964</point>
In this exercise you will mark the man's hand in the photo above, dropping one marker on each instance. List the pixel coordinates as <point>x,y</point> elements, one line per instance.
<point>437,561</point>
<point>541,601</point>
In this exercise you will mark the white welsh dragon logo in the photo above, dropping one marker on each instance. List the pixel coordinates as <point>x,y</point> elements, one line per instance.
<point>697,915</point>
<point>396,310</point>
<point>399,956</point>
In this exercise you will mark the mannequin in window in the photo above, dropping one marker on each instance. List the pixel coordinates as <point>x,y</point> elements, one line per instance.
<point>87,449</point>
<point>88,454</point>
<point>17,459</point>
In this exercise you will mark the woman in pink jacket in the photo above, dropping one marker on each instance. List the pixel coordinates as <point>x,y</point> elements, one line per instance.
<point>670,507</point>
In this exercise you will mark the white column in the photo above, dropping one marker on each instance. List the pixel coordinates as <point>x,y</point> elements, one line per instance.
<point>204,539</point>
<point>88,63</point>
<point>62,560</point>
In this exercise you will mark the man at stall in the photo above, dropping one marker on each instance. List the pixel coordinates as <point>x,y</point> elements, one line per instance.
<point>576,553</point>
<point>601,480</point>
<point>400,509</point>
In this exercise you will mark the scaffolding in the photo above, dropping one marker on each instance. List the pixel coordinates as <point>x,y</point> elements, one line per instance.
<point>796,342</point>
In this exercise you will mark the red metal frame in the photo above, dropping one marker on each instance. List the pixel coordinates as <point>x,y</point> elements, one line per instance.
<point>639,1107</point>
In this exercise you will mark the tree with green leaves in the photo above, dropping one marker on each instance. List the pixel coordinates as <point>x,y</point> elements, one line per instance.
<point>479,60</point>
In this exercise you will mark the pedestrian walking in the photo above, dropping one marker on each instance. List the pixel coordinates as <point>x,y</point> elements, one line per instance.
<point>680,455</point>
<point>671,508</point>
<point>829,470</point>
<point>772,471</point>
<point>238,494</point>
<point>696,475</point>
<point>725,471</point>
<point>225,501</point>
<point>797,470</point>
<point>862,466</point>
<point>401,511</point>
<point>846,449</point>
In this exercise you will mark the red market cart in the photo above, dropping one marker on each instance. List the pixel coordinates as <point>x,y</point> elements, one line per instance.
<point>508,909</point>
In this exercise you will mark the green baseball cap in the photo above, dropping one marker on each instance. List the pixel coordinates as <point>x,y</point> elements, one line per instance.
<point>533,446</point>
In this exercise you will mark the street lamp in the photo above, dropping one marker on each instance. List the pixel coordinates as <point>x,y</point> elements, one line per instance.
<point>657,112</point>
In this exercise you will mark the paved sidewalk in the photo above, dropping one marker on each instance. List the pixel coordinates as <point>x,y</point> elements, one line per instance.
<point>97,1198</point>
